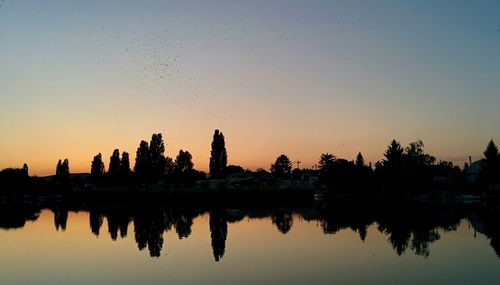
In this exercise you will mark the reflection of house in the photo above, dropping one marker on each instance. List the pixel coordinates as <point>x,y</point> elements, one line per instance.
<point>473,171</point>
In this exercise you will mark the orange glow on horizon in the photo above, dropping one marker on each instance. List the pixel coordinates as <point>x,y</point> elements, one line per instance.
<point>246,151</point>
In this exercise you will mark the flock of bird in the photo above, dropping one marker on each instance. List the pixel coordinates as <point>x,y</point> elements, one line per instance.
<point>155,58</point>
<point>144,58</point>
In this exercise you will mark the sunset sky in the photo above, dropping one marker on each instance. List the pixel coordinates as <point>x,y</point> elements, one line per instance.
<point>295,77</point>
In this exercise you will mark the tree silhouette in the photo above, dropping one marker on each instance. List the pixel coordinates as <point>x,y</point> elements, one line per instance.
<point>15,180</point>
<point>326,164</point>
<point>343,176</point>
<point>143,166</point>
<point>363,177</point>
<point>114,163</point>
<point>124,172</point>
<point>62,169</point>
<point>390,169</point>
<point>490,165</point>
<point>25,169</point>
<point>150,160</point>
<point>415,153</point>
<point>282,167</point>
<point>408,170</point>
<point>184,174</point>
<point>59,168</point>
<point>125,163</point>
<point>156,150</point>
<point>183,161</point>
<point>218,156</point>
<point>360,161</point>
<point>97,168</point>
<point>417,175</point>
<point>234,169</point>
<point>65,168</point>
<point>62,173</point>
<point>170,170</point>
<point>393,154</point>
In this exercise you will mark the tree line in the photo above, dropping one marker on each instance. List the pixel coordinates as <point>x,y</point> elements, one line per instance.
<point>403,170</point>
<point>153,166</point>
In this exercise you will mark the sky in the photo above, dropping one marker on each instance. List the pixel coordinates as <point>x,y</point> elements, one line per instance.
<point>300,78</point>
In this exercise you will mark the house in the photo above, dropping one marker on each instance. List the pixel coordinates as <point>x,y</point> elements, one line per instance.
<point>473,171</point>
<point>441,174</point>
<point>211,183</point>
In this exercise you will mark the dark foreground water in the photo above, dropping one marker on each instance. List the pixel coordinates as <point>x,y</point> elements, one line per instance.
<point>336,244</point>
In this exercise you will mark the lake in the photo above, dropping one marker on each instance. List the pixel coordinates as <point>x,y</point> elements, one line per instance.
<point>338,243</point>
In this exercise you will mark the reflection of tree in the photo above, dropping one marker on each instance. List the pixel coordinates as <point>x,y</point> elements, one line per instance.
<point>112,227</point>
<point>416,228</point>
<point>283,221</point>
<point>487,224</point>
<point>363,231</point>
<point>338,217</point>
<point>399,238</point>
<point>234,216</point>
<point>117,221</point>
<point>16,217</point>
<point>421,240</point>
<point>95,219</point>
<point>218,233</point>
<point>60,219</point>
<point>183,225</point>
<point>149,227</point>
<point>218,156</point>
<point>407,225</point>
<point>495,244</point>
<point>330,226</point>
<point>149,224</point>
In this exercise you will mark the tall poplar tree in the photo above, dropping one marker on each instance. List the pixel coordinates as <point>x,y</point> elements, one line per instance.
<point>218,156</point>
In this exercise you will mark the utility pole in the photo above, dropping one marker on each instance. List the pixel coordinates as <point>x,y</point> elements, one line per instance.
<point>298,163</point>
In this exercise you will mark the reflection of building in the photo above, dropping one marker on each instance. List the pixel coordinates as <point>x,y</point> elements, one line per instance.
<point>473,171</point>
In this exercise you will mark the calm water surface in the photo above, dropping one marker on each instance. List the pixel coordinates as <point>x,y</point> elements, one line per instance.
<point>226,246</point>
